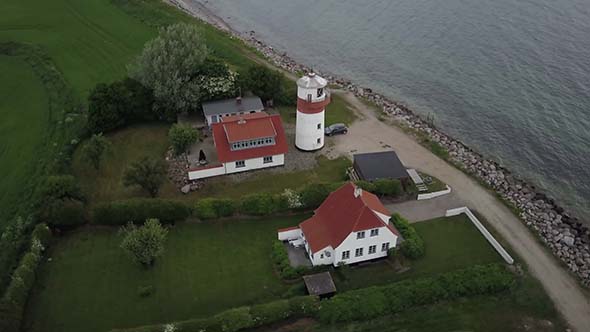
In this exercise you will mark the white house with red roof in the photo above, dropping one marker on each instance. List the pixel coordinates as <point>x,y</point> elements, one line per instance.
<point>243,143</point>
<point>350,226</point>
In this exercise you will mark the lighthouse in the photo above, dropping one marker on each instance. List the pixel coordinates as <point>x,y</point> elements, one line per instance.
<point>312,99</point>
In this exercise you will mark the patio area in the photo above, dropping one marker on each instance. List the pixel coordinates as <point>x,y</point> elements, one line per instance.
<point>297,256</point>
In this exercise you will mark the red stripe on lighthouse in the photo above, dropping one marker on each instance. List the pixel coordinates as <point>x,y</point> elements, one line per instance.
<point>307,107</point>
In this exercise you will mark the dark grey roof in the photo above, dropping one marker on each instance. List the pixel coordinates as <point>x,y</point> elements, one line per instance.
<point>379,165</point>
<point>319,284</point>
<point>232,106</point>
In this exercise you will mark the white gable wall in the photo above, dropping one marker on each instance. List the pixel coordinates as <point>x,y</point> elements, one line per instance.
<point>351,243</point>
<point>383,217</point>
<point>323,257</point>
<point>255,163</point>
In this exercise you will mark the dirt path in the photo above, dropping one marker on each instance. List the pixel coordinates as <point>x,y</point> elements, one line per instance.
<point>370,135</point>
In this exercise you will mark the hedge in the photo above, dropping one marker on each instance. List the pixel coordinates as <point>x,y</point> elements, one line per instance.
<point>64,213</point>
<point>412,245</point>
<point>213,208</point>
<point>138,210</point>
<point>375,301</point>
<point>12,303</point>
<point>382,187</point>
<point>263,204</point>
<point>280,258</point>
<point>241,318</point>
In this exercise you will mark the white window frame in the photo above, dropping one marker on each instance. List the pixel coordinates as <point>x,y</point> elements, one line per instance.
<point>385,246</point>
<point>346,254</point>
<point>372,249</point>
<point>267,160</point>
<point>375,232</point>
<point>360,235</point>
<point>240,163</point>
<point>358,252</point>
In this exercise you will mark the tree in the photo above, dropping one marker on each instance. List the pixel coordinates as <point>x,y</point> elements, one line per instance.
<point>167,65</point>
<point>181,137</point>
<point>264,82</point>
<point>94,150</point>
<point>144,243</point>
<point>61,187</point>
<point>147,173</point>
<point>114,105</point>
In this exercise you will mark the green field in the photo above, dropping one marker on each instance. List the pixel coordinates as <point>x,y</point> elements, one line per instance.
<point>89,285</point>
<point>23,119</point>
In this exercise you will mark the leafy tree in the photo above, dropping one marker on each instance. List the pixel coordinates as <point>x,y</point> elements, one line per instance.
<point>147,173</point>
<point>167,65</point>
<point>144,243</point>
<point>181,137</point>
<point>114,105</point>
<point>216,80</point>
<point>94,150</point>
<point>61,187</point>
<point>264,82</point>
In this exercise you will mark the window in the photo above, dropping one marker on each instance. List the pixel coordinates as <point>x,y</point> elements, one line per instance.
<point>319,141</point>
<point>320,92</point>
<point>319,126</point>
<point>358,252</point>
<point>385,246</point>
<point>322,256</point>
<point>267,160</point>
<point>346,254</point>
<point>240,163</point>
<point>360,235</point>
<point>372,249</point>
<point>375,232</point>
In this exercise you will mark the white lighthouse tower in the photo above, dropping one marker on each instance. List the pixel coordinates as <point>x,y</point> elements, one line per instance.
<point>312,99</point>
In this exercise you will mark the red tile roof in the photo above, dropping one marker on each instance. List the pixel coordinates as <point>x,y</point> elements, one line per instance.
<point>256,126</point>
<point>341,214</point>
<point>247,116</point>
<point>244,128</point>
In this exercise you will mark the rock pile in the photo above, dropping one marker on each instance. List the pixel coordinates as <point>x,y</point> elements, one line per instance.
<point>563,234</point>
<point>178,167</point>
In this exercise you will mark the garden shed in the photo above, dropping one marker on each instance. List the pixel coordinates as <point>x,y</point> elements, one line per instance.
<point>379,165</point>
<point>320,284</point>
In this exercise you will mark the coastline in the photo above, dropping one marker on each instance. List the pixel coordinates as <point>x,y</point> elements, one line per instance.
<point>563,233</point>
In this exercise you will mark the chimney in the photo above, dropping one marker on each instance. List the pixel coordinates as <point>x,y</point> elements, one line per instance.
<point>238,100</point>
<point>241,120</point>
<point>357,192</point>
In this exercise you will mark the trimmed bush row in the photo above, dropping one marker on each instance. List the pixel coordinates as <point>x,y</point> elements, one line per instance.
<point>413,245</point>
<point>12,303</point>
<point>358,304</point>
<point>372,302</point>
<point>138,210</point>
<point>280,258</point>
<point>382,187</point>
<point>237,319</point>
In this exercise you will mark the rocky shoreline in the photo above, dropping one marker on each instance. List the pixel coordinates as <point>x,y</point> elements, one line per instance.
<point>564,234</point>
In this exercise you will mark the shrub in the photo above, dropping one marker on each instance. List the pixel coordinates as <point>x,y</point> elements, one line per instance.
<point>147,173</point>
<point>235,319</point>
<point>13,242</point>
<point>93,151</point>
<point>212,208</point>
<point>304,306</point>
<point>42,233</point>
<point>138,210</point>
<point>61,187</point>
<point>314,194</point>
<point>366,185</point>
<point>63,213</point>
<point>267,313</point>
<point>413,245</point>
<point>181,137</point>
<point>263,204</point>
<point>144,243</point>
<point>388,187</point>
<point>263,82</point>
<point>280,258</point>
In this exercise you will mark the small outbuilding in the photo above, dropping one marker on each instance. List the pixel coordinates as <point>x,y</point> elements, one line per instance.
<point>379,165</point>
<point>214,111</point>
<point>320,284</point>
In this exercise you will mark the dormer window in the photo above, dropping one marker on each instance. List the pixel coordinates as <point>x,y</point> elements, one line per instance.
<point>360,235</point>
<point>375,232</point>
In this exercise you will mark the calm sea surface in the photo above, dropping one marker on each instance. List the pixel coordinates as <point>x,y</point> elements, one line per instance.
<point>511,78</point>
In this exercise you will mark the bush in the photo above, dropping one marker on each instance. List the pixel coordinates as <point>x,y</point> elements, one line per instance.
<point>314,194</point>
<point>138,210</point>
<point>63,213</point>
<point>367,303</point>
<point>304,306</point>
<point>212,208</point>
<point>280,258</point>
<point>413,245</point>
<point>271,312</point>
<point>42,233</point>
<point>366,185</point>
<point>181,137</point>
<point>263,204</point>
<point>13,243</point>
<point>235,319</point>
<point>388,187</point>
<point>61,187</point>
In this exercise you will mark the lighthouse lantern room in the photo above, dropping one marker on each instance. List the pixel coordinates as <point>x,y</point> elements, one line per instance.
<point>312,99</point>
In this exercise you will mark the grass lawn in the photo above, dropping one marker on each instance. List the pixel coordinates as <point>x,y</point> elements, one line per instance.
<point>23,114</point>
<point>89,285</point>
<point>132,143</point>
<point>336,112</point>
<point>450,243</point>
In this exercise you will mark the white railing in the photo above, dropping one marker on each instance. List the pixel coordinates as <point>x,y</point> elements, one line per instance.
<point>434,194</point>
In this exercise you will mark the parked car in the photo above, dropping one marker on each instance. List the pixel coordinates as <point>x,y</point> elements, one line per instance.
<point>335,129</point>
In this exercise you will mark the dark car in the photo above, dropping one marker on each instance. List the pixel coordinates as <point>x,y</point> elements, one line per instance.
<point>335,129</point>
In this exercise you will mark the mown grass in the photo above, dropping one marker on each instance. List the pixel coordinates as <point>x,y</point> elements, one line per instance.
<point>89,285</point>
<point>23,114</point>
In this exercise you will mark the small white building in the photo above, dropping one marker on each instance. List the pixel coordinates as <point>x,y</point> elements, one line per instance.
<point>214,111</point>
<point>243,143</point>
<point>350,226</point>
<point>312,99</point>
